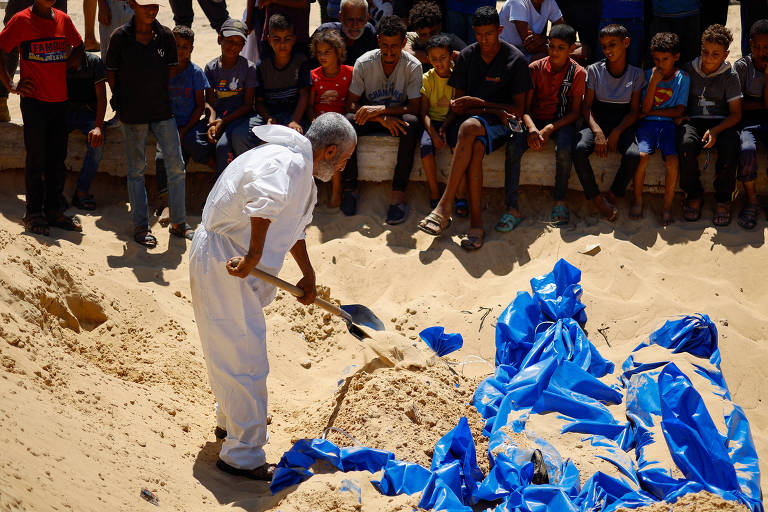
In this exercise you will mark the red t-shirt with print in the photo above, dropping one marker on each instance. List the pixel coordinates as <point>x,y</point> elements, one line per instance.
<point>44,46</point>
<point>546,87</point>
<point>331,93</point>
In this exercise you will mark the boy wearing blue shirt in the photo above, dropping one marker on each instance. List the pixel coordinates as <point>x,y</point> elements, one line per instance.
<point>664,100</point>
<point>187,89</point>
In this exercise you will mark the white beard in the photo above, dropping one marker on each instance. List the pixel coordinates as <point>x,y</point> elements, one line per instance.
<point>359,35</point>
<point>324,171</point>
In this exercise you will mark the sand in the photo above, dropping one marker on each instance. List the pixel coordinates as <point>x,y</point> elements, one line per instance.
<point>699,502</point>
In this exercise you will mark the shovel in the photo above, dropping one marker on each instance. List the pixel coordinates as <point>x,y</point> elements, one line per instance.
<point>352,314</point>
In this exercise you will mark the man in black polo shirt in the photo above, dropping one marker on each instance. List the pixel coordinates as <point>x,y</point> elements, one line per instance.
<point>140,58</point>
<point>491,78</point>
<point>358,34</point>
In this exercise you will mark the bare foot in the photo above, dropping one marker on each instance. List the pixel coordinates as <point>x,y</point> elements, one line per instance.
<point>606,208</point>
<point>335,201</point>
<point>667,218</point>
<point>636,210</point>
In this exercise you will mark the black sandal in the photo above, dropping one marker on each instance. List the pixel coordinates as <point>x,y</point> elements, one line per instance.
<point>36,224</point>
<point>66,222</point>
<point>722,215</point>
<point>691,213</point>
<point>145,237</point>
<point>182,231</point>
<point>84,203</point>
<point>748,216</point>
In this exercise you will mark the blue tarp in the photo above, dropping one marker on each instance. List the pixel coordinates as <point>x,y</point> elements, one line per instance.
<point>545,363</point>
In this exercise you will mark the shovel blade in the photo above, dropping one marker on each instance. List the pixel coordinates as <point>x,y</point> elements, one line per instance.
<point>363,316</point>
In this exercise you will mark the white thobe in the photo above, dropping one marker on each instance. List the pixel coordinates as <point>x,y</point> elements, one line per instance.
<point>273,181</point>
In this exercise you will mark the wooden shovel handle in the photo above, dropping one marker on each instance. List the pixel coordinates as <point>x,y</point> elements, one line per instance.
<point>298,292</point>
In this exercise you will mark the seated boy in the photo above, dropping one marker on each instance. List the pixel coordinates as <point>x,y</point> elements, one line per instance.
<point>552,108</point>
<point>187,89</point>
<point>664,100</point>
<point>525,25</point>
<point>284,81</point>
<point>385,95</point>
<point>436,96</point>
<point>44,36</point>
<point>611,106</point>
<point>229,100</point>
<point>87,89</point>
<point>754,118</point>
<point>714,112</point>
<point>140,58</point>
<point>426,21</point>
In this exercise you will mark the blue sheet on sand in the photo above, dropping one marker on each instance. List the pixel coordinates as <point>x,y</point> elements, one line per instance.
<point>545,363</point>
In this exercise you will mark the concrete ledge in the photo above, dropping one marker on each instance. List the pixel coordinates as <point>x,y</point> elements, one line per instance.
<point>376,156</point>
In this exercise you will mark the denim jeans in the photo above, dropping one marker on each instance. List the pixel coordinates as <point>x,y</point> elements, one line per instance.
<point>45,140</point>
<point>405,152</point>
<point>167,136</point>
<point>83,121</point>
<point>751,133</point>
<point>636,29</point>
<point>215,11</point>
<point>460,24</point>
<point>564,139</point>
<point>689,147</point>
<point>194,146</point>
<point>121,14</point>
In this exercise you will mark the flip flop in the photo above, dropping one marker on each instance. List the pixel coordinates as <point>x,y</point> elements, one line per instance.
<point>36,224</point>
<point>507,223</point>
<point>84,203</point>
<point>184,231</point>
<point>145,237</point>
<point>461,208</point>
<point>396,214</point>
<point>473,241</point>
<point>722,215</point>
<point>66,222</point>
<point>691,213</point>
<point>607,209</point>
<point>434,224</point>
<point>561,216</point>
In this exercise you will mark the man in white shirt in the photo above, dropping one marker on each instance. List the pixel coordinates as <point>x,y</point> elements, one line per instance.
<point>525,25</point>
<point>256,214</point>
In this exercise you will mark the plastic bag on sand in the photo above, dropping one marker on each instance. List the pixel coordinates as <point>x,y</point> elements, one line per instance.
<point>441,342</point>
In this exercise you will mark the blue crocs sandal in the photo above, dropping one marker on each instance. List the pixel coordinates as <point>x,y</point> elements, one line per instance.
<point>560,215</point>
<point>461,208</point>
<point>507,223</point>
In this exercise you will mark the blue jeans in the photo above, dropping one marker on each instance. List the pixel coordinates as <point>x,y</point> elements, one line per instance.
<point>636,29</point>
<point>167,136</point>
<point>84,121</point>
<point>751,133</point>
<point>460,24</point>
<point>194,146</point>
<point>565,139</point>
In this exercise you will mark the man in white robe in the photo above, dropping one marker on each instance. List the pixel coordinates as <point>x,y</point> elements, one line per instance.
<point>255,214</point>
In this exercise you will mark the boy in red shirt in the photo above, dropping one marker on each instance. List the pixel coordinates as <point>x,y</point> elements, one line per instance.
<point>44,36</point>
<point>552,108</point>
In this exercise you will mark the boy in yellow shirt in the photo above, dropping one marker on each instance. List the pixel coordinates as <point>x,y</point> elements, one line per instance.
<point>436,96</point>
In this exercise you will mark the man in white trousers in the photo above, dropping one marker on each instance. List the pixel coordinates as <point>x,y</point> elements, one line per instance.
<point>255,214</point>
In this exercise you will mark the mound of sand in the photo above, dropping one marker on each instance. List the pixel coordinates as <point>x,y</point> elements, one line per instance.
<point>698,502</point>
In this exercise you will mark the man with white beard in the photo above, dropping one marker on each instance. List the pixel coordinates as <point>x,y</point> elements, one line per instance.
<point>255,214</point>
<point>358,34</point>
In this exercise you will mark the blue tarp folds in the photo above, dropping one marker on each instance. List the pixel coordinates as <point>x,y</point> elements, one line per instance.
<point>546,364</point>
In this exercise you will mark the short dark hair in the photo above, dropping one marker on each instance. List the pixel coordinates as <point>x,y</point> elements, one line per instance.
<point>563,32</point>
<point>486,15</point>
<point>668,42</point>
<point>440,41</point>
<point>717,34</point>
<point>333,39</point>
<point>614,30</point>
<point>391,26</point>
<point>425,14</point>
<point>758,28</point>
<point>184,32</point>
<point>280,22</point>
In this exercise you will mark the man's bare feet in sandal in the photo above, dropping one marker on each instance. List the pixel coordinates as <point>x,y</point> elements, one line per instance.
<point>606,208</point>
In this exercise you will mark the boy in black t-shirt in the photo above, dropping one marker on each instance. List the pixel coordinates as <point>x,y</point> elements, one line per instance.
<point>87,91</point>
<point>491,78</point>
<point>139,61</point>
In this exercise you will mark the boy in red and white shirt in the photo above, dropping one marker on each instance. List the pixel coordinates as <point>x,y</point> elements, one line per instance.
<point>45,37</point>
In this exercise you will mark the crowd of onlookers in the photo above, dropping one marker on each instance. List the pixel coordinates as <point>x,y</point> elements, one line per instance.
<point>454,74</point>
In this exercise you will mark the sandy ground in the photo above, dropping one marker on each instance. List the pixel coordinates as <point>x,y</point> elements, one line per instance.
<point>104,390</point>
<point>206,47</point>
